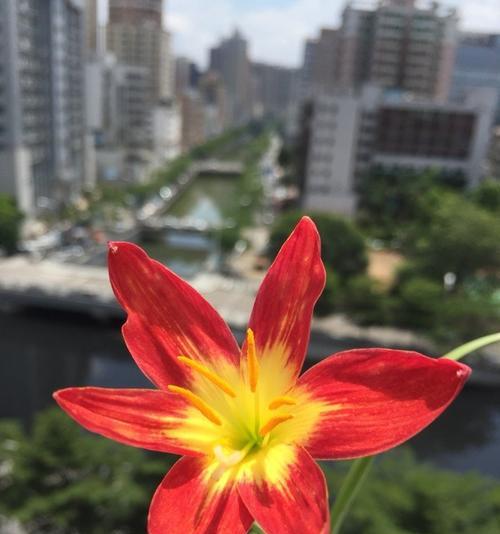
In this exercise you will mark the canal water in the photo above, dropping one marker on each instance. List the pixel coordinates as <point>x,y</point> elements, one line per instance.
<point>42,352</point>
<point>210,200</point>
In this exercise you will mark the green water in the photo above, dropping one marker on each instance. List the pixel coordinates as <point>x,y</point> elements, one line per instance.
<point>211,199</point>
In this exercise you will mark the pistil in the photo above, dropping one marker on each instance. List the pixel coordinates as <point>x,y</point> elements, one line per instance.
<point>253,376</point>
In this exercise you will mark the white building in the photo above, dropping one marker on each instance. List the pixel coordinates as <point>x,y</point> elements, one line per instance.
<point>167,131</point>
<point>352,133</point>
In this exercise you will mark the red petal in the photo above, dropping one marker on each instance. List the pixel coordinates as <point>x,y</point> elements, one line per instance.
<point>281,316</point>
<point>167,318</point>
<point>297,502</point>
<point>374,399</point>
<point>145,418</point>
<point>188,501</point>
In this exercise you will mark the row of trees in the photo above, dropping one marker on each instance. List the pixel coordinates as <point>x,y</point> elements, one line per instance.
<point>59,480</point>
<point>10,223</point>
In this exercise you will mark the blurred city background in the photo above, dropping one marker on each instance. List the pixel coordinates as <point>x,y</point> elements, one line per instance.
<point>202,131</point>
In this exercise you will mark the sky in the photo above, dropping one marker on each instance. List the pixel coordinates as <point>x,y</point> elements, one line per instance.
<point>276,29</point>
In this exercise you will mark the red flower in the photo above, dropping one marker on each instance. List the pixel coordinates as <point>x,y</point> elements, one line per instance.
<point>248,425</point>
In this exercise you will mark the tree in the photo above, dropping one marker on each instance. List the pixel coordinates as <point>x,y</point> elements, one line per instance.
<point>456,236</point>
<point>389,200</point>
<point>342,245</point>
<point>10,221</point>
<point>60,479</point>
<point>487,195</point>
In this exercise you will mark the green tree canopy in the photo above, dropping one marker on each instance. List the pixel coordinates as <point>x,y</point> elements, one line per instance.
<point>10,221</point>
<point>454,235</point>
<point>487,195</point>
<point>342,245</point>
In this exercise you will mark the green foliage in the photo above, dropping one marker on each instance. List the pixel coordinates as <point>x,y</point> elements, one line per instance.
<point>390,201</point>
<point>487,195</point>
<point>60,479</point>
<point>402,496</point>
<point>418,302</point>
<point>363,299</point>
<point>342,246</point>
<point>228,237</point>
<point>10,221</point>
<point>455,236</point>
<point>328,300</point>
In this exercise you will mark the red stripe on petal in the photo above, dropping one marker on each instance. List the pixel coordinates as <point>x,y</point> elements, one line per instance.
<point>375,399</point>
<point>281,316</point>
<point>296,502</point>
<point>139,417</point>
<point>166,318</point>
<point>188,501</point>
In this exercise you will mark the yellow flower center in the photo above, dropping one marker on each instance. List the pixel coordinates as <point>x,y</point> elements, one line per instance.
<point>244,412</point>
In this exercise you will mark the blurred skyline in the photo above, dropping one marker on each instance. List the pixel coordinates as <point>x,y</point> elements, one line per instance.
<point>276,29</point>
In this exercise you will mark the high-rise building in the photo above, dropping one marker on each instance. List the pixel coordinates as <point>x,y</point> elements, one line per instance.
<point>92,45</point>
<point>42,133</point>
<point>213,94</point>
<point>273,88</point>
<point>351,133</point>
<point>398,45</point>
<point>193,119</point>
<point>477,64</point>
<point>230,60</point>
<point>135,35</point>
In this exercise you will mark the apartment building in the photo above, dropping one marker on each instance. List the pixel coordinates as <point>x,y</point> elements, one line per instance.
<point>398,44</point>
<point>135,35</point>
<point>230,60</point>
<point>350,133</point>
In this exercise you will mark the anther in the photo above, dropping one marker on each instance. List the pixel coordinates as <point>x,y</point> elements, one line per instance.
<point>278,402</point>
<point>208,374</point>
<point>197,402</point>
<point>273,423</point>
<point>252,361</point>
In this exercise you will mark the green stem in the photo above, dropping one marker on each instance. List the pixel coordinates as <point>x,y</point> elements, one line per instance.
<point>471,346</point>
<point>350,487</point>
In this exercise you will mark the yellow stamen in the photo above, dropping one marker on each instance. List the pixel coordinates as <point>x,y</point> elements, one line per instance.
<point>197,402</point>
<point>274,422</point>
<point>207,373</point>
<point>252,361</point>
<point>278,402</point>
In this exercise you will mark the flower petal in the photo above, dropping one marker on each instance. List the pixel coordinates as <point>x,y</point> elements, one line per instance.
<point>371,400</point>
<point>146,418</point>
<point>167,318</point>
<point>286,493</point>
<point>281,316</point>
<point>189,501</point>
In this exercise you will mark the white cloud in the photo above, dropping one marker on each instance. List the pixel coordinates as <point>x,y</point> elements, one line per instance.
<point>277,34</point>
